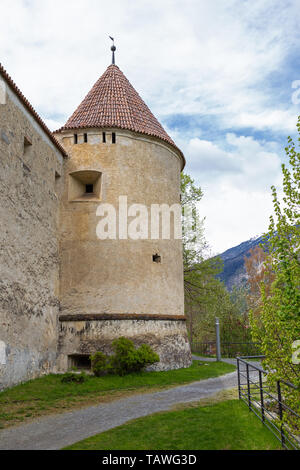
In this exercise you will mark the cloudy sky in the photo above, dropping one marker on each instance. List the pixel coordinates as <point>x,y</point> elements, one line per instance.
<point>223,77</point>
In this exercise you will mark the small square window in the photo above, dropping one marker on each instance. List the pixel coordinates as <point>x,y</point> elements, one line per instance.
<point>85,138</point>
<point>89,188</point>
<point>113,138</point>
<point>75,139</point>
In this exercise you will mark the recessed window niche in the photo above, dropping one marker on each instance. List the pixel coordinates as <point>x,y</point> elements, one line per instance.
<point>85,185</point>
<point>80,361</point>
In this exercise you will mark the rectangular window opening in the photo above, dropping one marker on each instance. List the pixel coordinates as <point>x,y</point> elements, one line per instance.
<point>113,138</point>
<point>103,137</point>
<point>89,188</point>
<point>79,361</point>
<point>75,139</point>
<point>85,138</point>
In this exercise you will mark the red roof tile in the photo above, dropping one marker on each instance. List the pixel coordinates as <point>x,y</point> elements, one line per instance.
<point>113,102</point>
<point>29,108</point>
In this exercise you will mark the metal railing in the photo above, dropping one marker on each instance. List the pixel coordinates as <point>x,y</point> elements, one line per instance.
<point>266,402</point>
<point>228,349</point>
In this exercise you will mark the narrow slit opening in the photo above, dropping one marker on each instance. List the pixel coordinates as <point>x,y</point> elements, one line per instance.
<point>27,146</point>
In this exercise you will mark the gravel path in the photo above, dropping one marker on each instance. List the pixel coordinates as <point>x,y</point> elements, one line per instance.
<point>55,432</point>
<point>232,361</point>
<point>213,359</point>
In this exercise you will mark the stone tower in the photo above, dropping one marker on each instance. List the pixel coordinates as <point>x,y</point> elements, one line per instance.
<point>118,286</point>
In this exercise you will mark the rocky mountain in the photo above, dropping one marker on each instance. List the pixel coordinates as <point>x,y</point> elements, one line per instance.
<point>234,272</point>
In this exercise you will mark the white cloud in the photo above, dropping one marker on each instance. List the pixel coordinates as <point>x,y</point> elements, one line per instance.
<point>234,215</point>
<point>54,124</point>
<point>237,199</point>
<point>277,120</point>
<point>192,57</point>
<point>209,159</point>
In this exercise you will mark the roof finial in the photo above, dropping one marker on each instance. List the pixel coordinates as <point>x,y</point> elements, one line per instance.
<point>113,48</point>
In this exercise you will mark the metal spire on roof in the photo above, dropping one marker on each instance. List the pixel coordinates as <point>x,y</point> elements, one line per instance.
<point>113,48</point>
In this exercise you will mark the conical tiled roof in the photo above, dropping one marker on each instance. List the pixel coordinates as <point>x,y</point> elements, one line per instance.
<point>113,102</point>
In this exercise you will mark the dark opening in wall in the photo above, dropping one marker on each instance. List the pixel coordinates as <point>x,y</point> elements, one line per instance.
<point>156,258</point>
<point>113,138</point>
<point>27,145</point>
<point>85,138</point>
<point>57,181</point>
<point>103,137</point>
<point>80,361</point>
<point>75,139</point>
<point>89,188</point>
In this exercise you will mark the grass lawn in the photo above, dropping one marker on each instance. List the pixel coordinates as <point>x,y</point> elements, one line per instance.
<point>47,395</point>
<point>227,425</point>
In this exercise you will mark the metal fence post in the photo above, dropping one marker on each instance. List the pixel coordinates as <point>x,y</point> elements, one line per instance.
<point>275,421</point>
<point>261,397</point>
<point>280,413</point>
<point>248,387</point>
<point>238,374</point>
<point>218,343</point>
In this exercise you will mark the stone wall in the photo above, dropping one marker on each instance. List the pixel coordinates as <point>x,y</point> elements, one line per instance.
<point>31,175</point>
<point>167,337</point>
<point>119,276</point>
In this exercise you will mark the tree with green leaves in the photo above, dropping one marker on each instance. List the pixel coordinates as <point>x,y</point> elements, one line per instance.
<point>202,289</point>
<point>277,326</point>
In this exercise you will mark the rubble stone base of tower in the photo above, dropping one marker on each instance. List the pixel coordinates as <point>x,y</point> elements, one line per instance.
<point>167,337</point>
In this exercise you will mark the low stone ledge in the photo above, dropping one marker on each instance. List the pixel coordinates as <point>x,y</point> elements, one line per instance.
<point>119,316</point>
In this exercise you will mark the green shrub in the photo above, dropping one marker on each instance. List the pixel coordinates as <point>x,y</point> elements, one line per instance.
<point>127,359</point>
<point>70,377</point>
<point>100,364</point>
<point>147,355</point>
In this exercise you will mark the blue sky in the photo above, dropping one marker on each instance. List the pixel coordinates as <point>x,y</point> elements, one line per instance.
<point>218,75</point>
